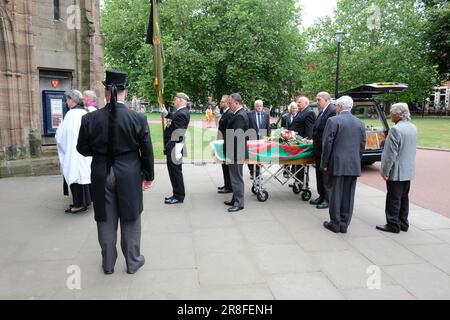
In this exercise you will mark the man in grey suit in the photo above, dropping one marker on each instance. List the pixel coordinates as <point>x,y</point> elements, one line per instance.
<point>344,140</point>
<point>398,162</point>
<point>237,151</point>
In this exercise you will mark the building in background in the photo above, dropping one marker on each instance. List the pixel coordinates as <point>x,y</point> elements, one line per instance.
<point>46,47</point>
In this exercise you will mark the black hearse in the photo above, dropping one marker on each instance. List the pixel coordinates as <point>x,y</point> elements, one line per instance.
<point>367,109</point>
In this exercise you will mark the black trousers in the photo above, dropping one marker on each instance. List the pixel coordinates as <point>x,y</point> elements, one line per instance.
<point>176,178</point>
<point>397,203</point>
<point>81,194</point>
<point>226,176</point>
<point>258,169</point>
<point>342,199</point>
<point>322,180</point>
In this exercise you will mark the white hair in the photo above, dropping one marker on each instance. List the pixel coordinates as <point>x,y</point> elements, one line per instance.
<point>292,104</point>
<point>303,98</point>
<point>346,102</point>
<point>401,109</point>
<point>75,95</point>
<point>324,95</point>
<point>91,94</point>
<point>259,102</point>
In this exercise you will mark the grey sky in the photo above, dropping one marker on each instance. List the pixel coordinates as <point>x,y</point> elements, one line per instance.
<point>313,9</point>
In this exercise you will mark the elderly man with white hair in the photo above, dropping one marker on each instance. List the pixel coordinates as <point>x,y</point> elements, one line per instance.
<point>90,100</point>
<point>344,140</point>
<point>398,162</point>
<point>259,121</point>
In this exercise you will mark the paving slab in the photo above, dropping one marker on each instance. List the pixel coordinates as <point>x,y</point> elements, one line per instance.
<point>303,286</point>
<point>276,249</point>
<point>423,281</point>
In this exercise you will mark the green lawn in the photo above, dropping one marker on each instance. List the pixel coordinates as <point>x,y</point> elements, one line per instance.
<point>157,116</point>
<point>433,132</point>
<point>197,140</point>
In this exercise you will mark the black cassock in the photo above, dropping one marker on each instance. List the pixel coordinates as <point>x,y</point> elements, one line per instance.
<point>133,158</point>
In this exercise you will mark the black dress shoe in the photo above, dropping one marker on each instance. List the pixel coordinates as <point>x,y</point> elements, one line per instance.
<point>235,209</point>
<point>323,205</point>
<point>220,188</point>
<point>404,229</point>
<point>330,227</point>
<point>229,203</point>
<point>343,230</point>
<point>72,210</point>
<point>167,198</point>
<point>224,191</point>
<point>173,201</point>
<point>316,201</point>
<point>108,271</point>
<point>388,228</point>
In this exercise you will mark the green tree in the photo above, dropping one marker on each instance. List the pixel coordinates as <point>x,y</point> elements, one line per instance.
<point>438,35</point>
<point>212,47</point>
<point>384,41</point>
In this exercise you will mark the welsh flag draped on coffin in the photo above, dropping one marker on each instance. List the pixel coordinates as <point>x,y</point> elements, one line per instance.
<point>260,150</point>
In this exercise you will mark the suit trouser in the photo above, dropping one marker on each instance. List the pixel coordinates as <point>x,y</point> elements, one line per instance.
<point>342,198</point>
<point>257,169</point>
<point>322,180</point>
<point>397,203</point>
<point>226,176</point>
<point>107,232</point>
<point>237,184</point>
<point>176,178</point>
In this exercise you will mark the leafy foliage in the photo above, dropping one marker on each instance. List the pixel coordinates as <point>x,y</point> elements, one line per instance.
<point>384,41</point>
<point>212,47</point>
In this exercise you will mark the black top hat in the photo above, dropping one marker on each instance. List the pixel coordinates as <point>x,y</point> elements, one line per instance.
<point>117,78</point>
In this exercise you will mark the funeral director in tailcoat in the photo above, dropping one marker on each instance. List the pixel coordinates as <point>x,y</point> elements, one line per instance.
<point>344,140</point>
<point>119,141</point>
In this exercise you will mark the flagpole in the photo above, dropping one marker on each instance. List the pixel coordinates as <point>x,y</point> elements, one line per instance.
<point>153,36</point>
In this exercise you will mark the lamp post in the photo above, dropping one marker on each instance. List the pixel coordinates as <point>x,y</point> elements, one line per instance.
<point>339,36</point>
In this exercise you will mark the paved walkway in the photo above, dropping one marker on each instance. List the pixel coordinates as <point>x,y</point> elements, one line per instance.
<point>429,189</point>
<point>272,250</point>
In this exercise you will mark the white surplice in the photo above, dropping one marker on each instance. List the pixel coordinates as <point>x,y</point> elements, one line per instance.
<point>74,167</point>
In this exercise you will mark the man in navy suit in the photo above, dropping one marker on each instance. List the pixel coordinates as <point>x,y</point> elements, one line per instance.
<point>344,141</point>
<point>259,121</point>
<point>326,110</point>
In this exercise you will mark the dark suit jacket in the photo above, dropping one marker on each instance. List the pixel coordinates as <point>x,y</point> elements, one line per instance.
<point>319,126</point>
<point>305,122</point>
<point>133,158</point>
<point>223,123</point>
<point>265,124</point>
<point>179,122</point>
<point>287,124</point>
<point>238,122</point>
<point>344,141</point>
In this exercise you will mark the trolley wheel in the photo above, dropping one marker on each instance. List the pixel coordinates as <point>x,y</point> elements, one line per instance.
<point>296,189</point>
<point>254,190</point>
<point>306,195</point>
<point>263,196</point>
